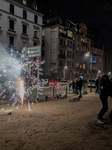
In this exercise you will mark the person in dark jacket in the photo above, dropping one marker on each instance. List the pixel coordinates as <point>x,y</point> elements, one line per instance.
<point>73,86</point>
<point>96,83</point>
<point>80,83</point>
<point>103,94</point>
<point>110,94</point>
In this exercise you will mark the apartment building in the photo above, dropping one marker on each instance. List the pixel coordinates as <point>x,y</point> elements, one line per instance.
<point>20,24</point>
<point>88,53</point>
<point>107,61</point>
<point>64,48</point>
<point>58,46</point>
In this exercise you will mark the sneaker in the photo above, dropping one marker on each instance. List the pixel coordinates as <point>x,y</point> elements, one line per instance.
<point>80,96</point>
<point>100,121</point>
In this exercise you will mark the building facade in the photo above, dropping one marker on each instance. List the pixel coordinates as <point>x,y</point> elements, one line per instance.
<point>58,47</point>
<point>20,24</point>
<point>64,48</point>
<point>88,54</point>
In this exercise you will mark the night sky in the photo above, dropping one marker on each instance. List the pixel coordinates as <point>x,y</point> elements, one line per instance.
<point>96,14</point>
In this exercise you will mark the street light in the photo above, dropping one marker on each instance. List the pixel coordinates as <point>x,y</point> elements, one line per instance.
<point>109,73</point>
<point>90,54</point>
<point>65,67</point>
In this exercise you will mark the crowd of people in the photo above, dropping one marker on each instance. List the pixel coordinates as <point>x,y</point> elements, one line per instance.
<point>76,86</point>
<point>103,88</point>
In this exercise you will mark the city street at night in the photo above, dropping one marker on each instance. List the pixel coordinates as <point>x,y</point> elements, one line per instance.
<point>58,124</point>
<point>55,75</point>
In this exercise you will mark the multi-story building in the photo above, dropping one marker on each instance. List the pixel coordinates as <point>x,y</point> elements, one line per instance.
<point>86,43</point>
<point>107,61</point>
<point>64,48</point>
<point>20,24</point>
<point>58,46</point>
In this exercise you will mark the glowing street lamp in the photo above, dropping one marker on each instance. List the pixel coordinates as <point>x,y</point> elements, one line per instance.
<point>90,54</point>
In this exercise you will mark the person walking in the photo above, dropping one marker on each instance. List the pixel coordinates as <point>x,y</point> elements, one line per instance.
<point>110,94</point>
<point>73,86</point>
<point>76,86</point>
<point>69,84</point>
<point>80,83</point>
<point>103,94</point>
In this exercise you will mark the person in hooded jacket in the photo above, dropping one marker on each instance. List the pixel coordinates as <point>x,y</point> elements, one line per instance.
<point>103,94</point>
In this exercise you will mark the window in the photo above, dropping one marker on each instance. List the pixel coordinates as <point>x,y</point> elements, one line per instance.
<point>70,34</point>
<point>78,47</point>
<point>24,29</point>
<point>11,25</point>
<point>97,60</point>
<point>23,43</point>
<point>67,53</point>
<point>79,38</point>
<point>60,63</point>
<point>43,32</point>
<point>24,14</point>
<point>70,54</point>
<point>35,43</point>
<point>61,42</point>
<point>43,43</point>
<point>61,31</point>
<point>35,33</point>
<point>72,65</point>
<point>68,44</point>
<point>24,2</point>
<point>108,58</point>
<point>35,19</point>
<point>43,53</point>
<point>11,40</point>
<point>100,53</point>
<point>54,29</point>
<point>80,66</point>
<point>73,56</point>
<point>73,45</point>
<point>77,65</point>
<point>84,66</point>
<point>12,9</point>
<point>60,52</point>
<point>77,57</point>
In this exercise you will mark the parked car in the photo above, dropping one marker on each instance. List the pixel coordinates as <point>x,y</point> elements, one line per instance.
<point>91,82</point>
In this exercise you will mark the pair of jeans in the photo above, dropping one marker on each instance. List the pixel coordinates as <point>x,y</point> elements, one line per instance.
<point>69,88</point>
<point>80,94</point>
<point>73,90</point>
<point>104,109</point>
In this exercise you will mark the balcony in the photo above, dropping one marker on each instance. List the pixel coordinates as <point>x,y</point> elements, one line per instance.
<point>23,35</point>
<point>62,34</point>
<point>62,56</point>
<point>62,46</point>
<point>60,67</point>
<point>11,32</point>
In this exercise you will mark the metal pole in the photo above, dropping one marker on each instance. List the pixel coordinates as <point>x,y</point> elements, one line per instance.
<point>37,82</point>
<point>53,91</point>
<point>91,73</point>
<point>66,90</point>
<point>64,72</point>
